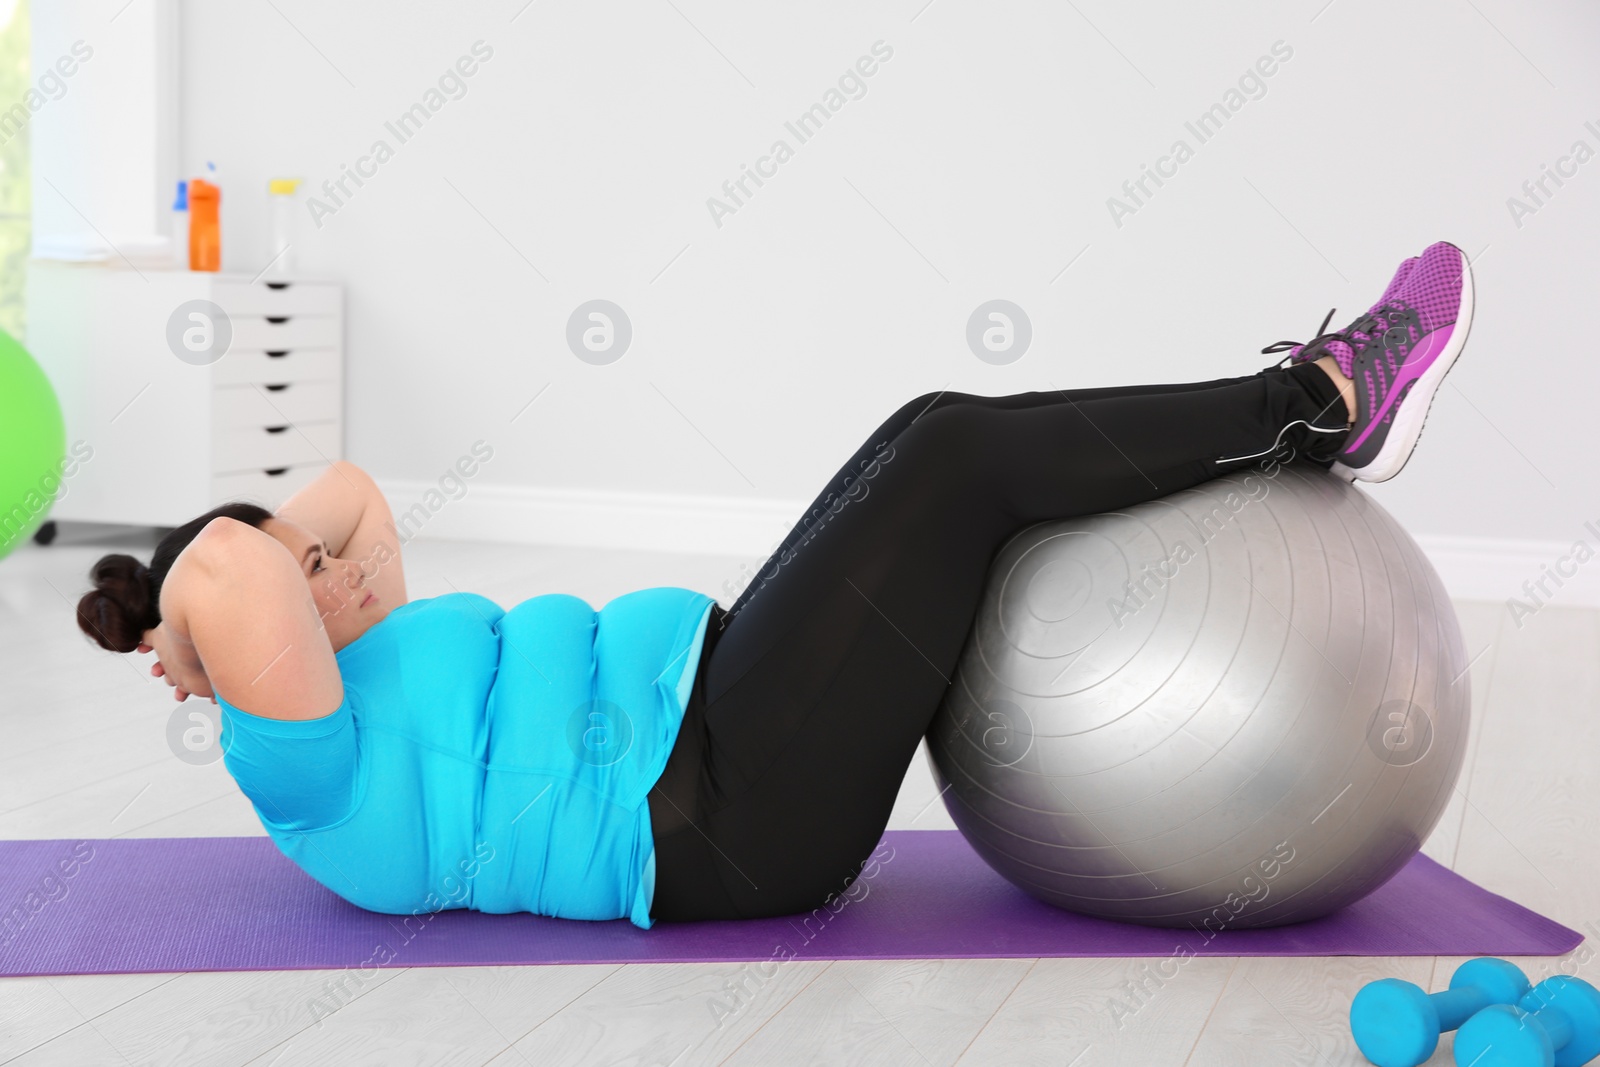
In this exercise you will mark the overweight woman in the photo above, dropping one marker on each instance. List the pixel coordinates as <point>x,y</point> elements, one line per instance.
<point>664,758</point>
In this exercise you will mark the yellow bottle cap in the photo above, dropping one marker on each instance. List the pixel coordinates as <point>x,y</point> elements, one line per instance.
<point>283,186</point>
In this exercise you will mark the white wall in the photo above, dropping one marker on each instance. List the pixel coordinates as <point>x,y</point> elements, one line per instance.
<point>977,165</point>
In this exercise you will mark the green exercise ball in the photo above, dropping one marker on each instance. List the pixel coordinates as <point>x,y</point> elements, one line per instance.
<point>33,444</point>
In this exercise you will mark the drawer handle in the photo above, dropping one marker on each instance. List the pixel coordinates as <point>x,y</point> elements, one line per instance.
<point>273,472</point>
<point>275,429</point>
<point>280,387</point>
<point>277,285</point>
<point>277,353</point>
<point>277,320</point>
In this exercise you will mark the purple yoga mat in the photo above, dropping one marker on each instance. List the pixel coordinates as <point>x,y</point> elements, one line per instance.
<point>237,904</point>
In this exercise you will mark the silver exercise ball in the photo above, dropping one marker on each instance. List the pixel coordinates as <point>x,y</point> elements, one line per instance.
<point>1241,705</point>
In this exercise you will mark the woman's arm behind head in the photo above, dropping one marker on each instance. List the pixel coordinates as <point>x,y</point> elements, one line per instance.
<point>244,602</point>
<point>234,594</point>
<point>126,598</point>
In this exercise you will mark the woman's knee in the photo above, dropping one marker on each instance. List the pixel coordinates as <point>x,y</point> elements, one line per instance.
<point>947,426</point>
<point>915,408</point>
<point>927,403</point>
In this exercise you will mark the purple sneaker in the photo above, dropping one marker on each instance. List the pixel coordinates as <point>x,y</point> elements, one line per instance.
<point>1397,354</point>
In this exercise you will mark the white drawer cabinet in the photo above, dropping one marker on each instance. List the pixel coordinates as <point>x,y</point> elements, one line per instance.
<point>276,366</point>
<point>243,297</point>
<point>172,438</point>
<point>284,333</point>
<point>269,403</point>
<point>271,486</point>
<point>235,449</point>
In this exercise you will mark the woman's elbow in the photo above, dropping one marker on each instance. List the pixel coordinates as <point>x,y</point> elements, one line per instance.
<point>224,542</point>
<point>218,532</point>
<point>350,470</point>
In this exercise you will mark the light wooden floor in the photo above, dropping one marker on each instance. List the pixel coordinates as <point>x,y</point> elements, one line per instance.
<point>86,755</point>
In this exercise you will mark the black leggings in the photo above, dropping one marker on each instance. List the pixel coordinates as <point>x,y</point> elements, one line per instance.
<point>816,686</point>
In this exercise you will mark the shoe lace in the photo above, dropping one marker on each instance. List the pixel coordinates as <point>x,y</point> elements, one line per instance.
<point>1357,331</point>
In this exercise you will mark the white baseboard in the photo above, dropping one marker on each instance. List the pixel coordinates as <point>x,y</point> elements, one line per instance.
<point>1497,569</point>
<point>1473,568</point>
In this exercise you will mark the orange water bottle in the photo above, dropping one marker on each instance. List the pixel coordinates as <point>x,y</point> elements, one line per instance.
<point>205,232</point>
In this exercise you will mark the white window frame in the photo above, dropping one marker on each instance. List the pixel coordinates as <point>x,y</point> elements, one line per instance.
<point>105,151</point>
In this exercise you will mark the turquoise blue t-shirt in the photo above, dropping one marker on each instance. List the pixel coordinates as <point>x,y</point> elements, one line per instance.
<point>483,758</point>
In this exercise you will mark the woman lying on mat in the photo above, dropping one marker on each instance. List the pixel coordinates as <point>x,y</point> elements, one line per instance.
<point>664,758</point>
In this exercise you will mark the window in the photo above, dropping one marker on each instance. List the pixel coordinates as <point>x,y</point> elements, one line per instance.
<point>15,193</point>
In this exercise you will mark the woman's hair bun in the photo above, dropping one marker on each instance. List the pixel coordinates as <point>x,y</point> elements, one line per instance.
<point>121,606</point>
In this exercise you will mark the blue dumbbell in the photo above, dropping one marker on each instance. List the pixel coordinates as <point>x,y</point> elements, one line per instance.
<point>1557,1024</point>
<point>1396,1024</point>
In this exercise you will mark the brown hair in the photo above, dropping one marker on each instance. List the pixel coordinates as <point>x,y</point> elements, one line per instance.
<point>126,598</point>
